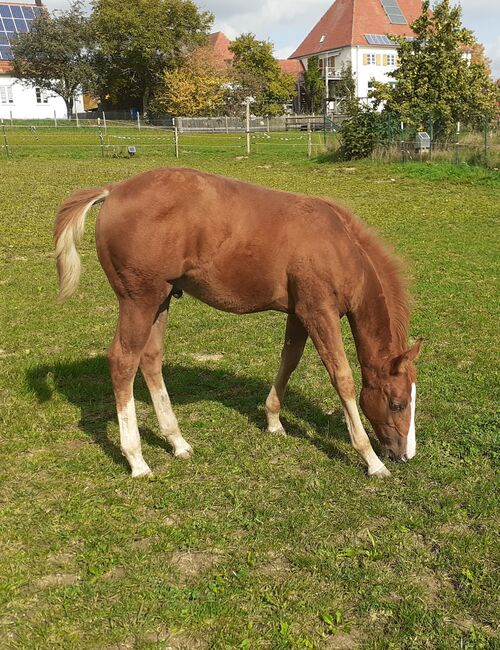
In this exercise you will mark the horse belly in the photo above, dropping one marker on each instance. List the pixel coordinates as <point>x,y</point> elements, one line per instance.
<point>241,291</point>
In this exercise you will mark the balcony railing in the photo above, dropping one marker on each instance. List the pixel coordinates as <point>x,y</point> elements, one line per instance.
<point>331,73</point>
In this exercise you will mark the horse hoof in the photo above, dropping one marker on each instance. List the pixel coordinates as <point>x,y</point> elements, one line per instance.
<point>280,431</point>
<point>142,472</point>
<point>184,454</point>
<point>383,472</point>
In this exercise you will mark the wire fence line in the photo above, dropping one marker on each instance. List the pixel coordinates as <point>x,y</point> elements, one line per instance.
<point>306,135</point>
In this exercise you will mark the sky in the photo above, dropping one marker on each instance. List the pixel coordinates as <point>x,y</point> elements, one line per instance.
<point>286,22</point>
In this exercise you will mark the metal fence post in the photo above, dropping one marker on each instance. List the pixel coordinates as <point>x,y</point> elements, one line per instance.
<point>55,120</point>
<point>309,139</point>
<point>248,125</point>
<point>138,120</point>
<point>104,122</point>
<point>11,119</point>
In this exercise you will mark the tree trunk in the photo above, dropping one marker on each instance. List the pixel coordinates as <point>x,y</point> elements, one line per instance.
<point>69,106</point>
<point>145,102</point>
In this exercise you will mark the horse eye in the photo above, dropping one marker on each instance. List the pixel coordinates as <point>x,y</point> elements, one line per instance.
<point>397,406</point>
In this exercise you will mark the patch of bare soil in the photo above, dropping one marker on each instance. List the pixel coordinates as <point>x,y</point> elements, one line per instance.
<point>275,565</point>
<point>191,563</point>
<point>207,357</point>
<point>57,580</point>
<point>343,641</point>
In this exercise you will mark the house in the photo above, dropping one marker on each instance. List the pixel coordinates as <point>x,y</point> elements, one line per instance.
<point>355,33</point>
<point>18,101</point>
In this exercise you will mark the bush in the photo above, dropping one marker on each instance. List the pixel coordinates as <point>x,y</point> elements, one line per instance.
<point>360,132</point>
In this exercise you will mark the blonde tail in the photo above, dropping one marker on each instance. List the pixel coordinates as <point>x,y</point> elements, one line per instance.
<point>68,231</point>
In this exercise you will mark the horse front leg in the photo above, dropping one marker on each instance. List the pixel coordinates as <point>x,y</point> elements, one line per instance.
<point>323,327</point>
<point>293,347</point>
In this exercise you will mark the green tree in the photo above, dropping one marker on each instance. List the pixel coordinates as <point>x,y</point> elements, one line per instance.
<point>314,85</point>
<point>55,54</point>
<point>196,87</point>
<point>138,41</point>
<point>434,79</point>
<point>256,74</point>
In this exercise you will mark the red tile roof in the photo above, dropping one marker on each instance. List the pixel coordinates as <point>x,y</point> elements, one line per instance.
<point>4,67</point>
<point>347,21</point>
<point>221,43</point>
<point>291,66</point>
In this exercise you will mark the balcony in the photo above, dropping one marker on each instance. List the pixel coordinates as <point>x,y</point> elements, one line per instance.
<point>331,74</point>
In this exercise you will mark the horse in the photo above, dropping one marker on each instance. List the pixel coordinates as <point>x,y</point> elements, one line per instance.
<point>243,248</point>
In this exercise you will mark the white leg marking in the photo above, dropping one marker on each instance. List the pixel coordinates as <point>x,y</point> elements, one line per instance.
<point>130,441</point>
<point>411,443</point>
<point>361,442</point>
<point>273,418</point>
<point>169,426</point>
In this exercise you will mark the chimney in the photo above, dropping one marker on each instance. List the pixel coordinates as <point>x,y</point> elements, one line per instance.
<point>38,3</point>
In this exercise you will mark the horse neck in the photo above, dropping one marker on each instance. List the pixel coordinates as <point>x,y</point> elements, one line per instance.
<point>379,319</point>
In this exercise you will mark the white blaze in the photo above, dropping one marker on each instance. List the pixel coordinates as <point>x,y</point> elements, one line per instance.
<point>411,442</point>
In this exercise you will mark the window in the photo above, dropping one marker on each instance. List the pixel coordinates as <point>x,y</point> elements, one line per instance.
<point>369,59</point>
<point>6,95</point>
<point>322,39</point>
<point>41,96</point>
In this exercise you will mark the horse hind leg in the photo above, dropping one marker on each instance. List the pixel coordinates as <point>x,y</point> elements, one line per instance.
<point>134,326</point>
<point>151,368</point>
<point>293,347</point>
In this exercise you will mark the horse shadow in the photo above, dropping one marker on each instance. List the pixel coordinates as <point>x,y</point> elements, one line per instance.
<point>87,385</point>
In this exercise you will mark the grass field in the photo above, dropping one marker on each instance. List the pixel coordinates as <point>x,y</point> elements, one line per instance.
<point>258,541</point>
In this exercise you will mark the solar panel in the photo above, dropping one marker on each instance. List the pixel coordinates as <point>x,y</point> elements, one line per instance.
<point>14,19</point>
<point>379,39</point>
<point>393,12</point>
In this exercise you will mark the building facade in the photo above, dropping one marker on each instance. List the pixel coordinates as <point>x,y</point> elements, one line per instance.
<point>356,33</point>
<point>18,101</point>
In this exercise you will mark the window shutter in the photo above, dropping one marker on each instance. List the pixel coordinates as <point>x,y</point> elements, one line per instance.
<point>365,59</point>
<point>3,95</point>
<point>386,59</point>
<point>379,59</point>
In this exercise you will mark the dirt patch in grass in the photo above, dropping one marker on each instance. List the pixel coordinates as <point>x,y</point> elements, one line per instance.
<point>343,641</point>
<point>207,357</point>
<point>57,580</point>
<point>275,565</point>
<point>191,563</point>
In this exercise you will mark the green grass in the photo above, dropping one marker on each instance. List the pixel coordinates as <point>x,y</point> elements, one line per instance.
<point>258,541</point>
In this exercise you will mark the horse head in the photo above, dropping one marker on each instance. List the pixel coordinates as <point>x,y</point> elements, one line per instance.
<point>388,400</point>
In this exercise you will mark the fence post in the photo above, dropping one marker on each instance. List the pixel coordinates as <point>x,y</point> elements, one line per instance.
<point>248,125</point>
<point>11,119</point>
<point>309,139</point>
<point>77,120</point>
<point>457,145</point>
<point>227,124</point>
<point>104,123</point>
<point>486,124</point>
<point>176,141</point>
<point>55,120</point>
<point>268,125</point>
<point>101,140</point>
<point>6,144</point>
<point>138,120</point>
<point>431,133</point>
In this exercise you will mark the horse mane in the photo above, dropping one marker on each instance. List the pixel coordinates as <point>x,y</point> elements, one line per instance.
<point>389,269</point>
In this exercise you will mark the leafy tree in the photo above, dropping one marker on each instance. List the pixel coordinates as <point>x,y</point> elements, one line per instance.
<point>139,40</point>
<point>196,87</point>
<point>434,79</point>
<point>256,74</point>
<point>314,85</point>
<point>55,54</point>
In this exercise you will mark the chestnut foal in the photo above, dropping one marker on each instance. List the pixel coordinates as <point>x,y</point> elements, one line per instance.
<point>243,248</point>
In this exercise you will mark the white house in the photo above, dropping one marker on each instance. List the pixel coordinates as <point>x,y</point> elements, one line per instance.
<point>355,32</point>
<point>18,101</point>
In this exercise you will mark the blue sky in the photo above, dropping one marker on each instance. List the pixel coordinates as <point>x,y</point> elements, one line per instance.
<point>286,22</point>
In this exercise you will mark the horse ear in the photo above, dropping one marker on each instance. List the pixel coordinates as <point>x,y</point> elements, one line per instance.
<point>399,363</point>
